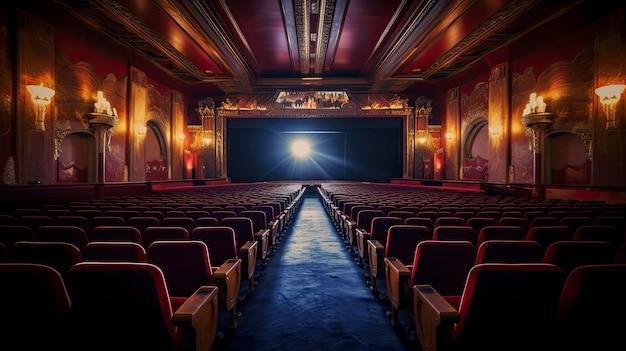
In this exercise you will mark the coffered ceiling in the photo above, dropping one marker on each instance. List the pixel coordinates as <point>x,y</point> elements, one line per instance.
<point>376,46</point>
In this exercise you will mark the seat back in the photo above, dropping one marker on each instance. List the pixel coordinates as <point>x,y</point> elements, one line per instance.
<point>455,232</point>
<point>508,307</point>
<point>116,233</point>
<point>546,235</point>
<point>143,222</point>
<point>379,228</point>
<point>514,221</point>
<point>569,254</point>
<point>479,223</point>
<point>243,228</point>
<point>404,214</point>
<point>423,221</point>
<point>598,232</point>
<point>443,265</point>
<point>221,214</point>
<point>12,233</point>
<point>591,299</point>
<point>501,232</point>
<point>365,217</point>
<point>64,233</point>
<point>449,221</point>
<point>259,221</point>
<point>121,305</point>
<point>36,221</point>
<point>575,222</point>
<point>185,222</point>
<point>78,221</point>
<point>509,251</point>
<point>107,220</point>
<point>185,265</point>
<point>58,255</point>
<point>36,309</point>
<point>220,241</point>
<point>114,251</point>
<point>153,234</point>
<point>402,239</point>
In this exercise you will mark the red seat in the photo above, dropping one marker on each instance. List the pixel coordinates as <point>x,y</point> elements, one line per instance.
<point>114,251</point>
<point>503,307</point>
<point>116,233</point>
<point>509,251</point>
<point>36,310</point>
<point>12,233</point>
<point>153,234</point>
<point>59,255</point>
<point>455,233</point>
<point>143,222</point>
<point>546,235</point>
<point>127,306</point>
<point>592,307</point>
<point>500,232</point>
<point>598,232</point>
<point>64,233</point>
<point>186,266</point>
<point>569,254</point>
<point>245,236</point>
<point>442,264</point>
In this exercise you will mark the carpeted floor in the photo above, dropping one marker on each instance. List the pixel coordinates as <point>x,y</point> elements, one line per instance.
<point>313,296</point>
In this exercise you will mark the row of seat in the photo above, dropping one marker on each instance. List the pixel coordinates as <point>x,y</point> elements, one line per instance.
<point>500,293</point>
<point>117,281</point>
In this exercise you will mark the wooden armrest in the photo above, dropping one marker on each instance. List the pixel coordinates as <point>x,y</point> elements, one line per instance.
<point>396,274</point>
<point>433,317</point>
<point>362,233</point>
<point>229,276</point>
<point>199,313</point>
<point>262,236</point>
<point>248,253</point>
<point>375,252</point>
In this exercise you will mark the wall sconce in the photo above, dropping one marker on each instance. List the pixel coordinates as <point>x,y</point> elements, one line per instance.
<point>40,96</point>
<point>140,129</point>
<point>206,139</point>
<point>449,136</point>
<point>181,137</point>
<point>495,130</point>
<point>609,97</point>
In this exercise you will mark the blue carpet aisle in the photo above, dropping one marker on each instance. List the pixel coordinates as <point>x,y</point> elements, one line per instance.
<point>313,296</point>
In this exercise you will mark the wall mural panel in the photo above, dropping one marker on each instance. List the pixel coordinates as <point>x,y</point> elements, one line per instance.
<point>474,114</point>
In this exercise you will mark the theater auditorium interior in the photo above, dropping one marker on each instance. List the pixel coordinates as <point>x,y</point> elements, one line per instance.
<point>312,175</point>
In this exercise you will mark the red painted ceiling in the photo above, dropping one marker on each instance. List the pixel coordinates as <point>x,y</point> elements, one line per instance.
<point>242,46</point>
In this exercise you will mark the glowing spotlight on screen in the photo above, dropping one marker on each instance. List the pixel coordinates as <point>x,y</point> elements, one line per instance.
<point>300,148</point>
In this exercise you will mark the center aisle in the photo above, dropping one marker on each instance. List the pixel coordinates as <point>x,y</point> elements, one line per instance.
<point>313,296</point>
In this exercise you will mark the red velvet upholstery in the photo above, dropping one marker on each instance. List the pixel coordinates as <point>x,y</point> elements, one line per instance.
<point>509,251</point>
<point>220,241</point>
<point>116,233</point>
<point>569,254</point>
<point>112,251</point>
<point>36,310</point>
<point>546,235</point>
<point>592,309</point>
<point>11,233</point>
<point>58,255</point>
<point>501,232</point>
<point>402,241</point>
<point>64,233</point>
<point>455,233</point>
<point>153,234</point>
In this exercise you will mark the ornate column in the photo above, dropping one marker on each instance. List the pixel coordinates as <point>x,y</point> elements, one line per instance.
<point>538,122</point>
<point>101,123</point>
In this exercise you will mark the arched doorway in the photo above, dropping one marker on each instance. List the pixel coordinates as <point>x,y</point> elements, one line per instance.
<point>76,163</point>
<point>475,163</point>
<point>566,160</point>
<point>155,153</point>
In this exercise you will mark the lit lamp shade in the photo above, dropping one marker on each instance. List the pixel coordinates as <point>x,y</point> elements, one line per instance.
<point>40,94</point>
<point>610,94</point>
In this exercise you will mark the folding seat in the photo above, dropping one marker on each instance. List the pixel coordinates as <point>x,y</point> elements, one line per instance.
<point>159,233</point>
<point>449,221</point>
<point>546,235</point>
<point>143,222</point>
<point>113,251</point>
<point>427,214</point>
<point>126,305</point>
<point>401,241</point>
<point>63,233</point>
<point>186,266</point>
<point>185,222</point>
<point>509,251</point>
<point>569,254</point>
<point>244,235</point>
<point>465,215</point>
<point>163,209</point>
<point>349,222</point>
<point>592,307</point>
<point>174,213</point>
<point>59,212</point>
<point>106,220</point>
<point>19,212</point>
<point>261,231</point>
<point>542,221</point>
<point>186,208</point>
<point>5,254</point>
<point>455,233</point>
<point>73,220</point>
<point>514,221</point>
<point>221,214</point>
<point>479,223</point>
<point>412,209</point>
<point>35,221</point>
<point>236,208</point>
<point>152,213</point>
<point>36,310</point>
<point>503,306</point>
<point>221,242</point>
<point>363,222</point>
<point>598,232</point>
<point>378,230</point>
<point>386,208</point>
<point>617,221</point>
<point>273,223</point>
<point>59,255</point>
<point>500,232</point>
<point>8,219</point>
<point>400,213</point>
<point>426,222</point>
<point>531,214</point>
<point>211,208</point>
<point>512,213</point>
<point>88,213</point>
<point>116,233</point>
<point>11,233</point>
<point>207,222</point>
<point>442,264</point>
<point>195,214</point>
<point>620,255</point>
<point>489,214</point>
